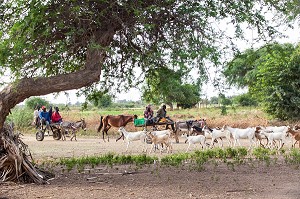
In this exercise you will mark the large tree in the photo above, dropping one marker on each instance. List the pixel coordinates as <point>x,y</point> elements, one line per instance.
<point>51,46</point>
<point>272,74</point>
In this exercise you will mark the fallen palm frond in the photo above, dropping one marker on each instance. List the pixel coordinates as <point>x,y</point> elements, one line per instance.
<point>16,163</point>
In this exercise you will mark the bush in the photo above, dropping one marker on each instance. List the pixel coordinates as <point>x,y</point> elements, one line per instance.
<point>21,117</point>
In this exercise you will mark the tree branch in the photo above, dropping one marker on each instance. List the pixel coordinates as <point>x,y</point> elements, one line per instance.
<point>21,89</point>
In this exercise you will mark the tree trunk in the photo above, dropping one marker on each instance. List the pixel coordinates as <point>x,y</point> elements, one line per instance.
<point>15,164</point>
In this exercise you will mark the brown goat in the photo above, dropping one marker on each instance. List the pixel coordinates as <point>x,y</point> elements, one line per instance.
<point>295,134</point>
<point>297,127</point>
<point>160,139</point>
<point>259,137</point>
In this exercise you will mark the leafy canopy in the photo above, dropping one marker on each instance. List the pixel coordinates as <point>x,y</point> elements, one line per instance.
<point>272,74</point>
<point>164,85</point>
<point>49,38</point>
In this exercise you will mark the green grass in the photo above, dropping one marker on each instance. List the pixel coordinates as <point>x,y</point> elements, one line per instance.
<point>293,157</point>
<point>230,156</point>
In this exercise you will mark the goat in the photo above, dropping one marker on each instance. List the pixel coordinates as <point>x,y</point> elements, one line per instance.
<point>275,129</point>
<point>296,135</point>
<point>238,134</point>
<point>193,139</point>
<point>297,127</point>
<point>133,136</point>
<point>217,133</point>
<point>162,132</point>
<point>160,139</point>
<point>273,136</point>
<point>259,137</point>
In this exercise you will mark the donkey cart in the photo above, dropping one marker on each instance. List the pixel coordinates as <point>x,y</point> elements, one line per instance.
<point>54,128</point>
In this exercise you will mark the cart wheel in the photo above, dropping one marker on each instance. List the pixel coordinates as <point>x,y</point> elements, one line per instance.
<point>56,134</point>
<point>39,136</point>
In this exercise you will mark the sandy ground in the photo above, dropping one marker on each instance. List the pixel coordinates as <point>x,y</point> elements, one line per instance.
<point>127,181</point>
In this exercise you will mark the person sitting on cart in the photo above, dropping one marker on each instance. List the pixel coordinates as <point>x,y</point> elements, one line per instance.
<point>56,117</point>
<point>162,113</point>
<point>45,117</point>
<point>36,116</point>
<point>148,114</point>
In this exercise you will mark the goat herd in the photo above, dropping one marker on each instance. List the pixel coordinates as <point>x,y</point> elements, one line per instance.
<point>195,132</point>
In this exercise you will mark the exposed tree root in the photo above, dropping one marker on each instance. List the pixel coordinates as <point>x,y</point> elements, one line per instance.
<point>16,163</point>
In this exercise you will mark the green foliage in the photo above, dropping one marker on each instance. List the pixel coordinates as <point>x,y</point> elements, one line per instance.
<point>230,156</point>
<point>21,117</point>
<point>245,100</point>
<point>166,86</point>
<point>272,74</point>
<point>51,38</point>
<point>263,154</point>
<point>214,100</point>
<point>175,159</point>
<point>224,101</point>
<point>293,157</point>
<point>106,159</point>
<point>33,102</point>
<point>100,99</point>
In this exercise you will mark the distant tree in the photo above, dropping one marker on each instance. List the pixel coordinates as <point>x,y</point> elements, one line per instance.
<point>166,85</point>
<point>225,101</point>
<point>245,100</point>
<point>33,102</point>
<point>214,100</point>
<point>100,99</point>
<point>105,101</point>
<point>190,95</point>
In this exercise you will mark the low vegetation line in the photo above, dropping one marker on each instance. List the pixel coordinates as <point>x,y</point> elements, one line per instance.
<point>199,158</point>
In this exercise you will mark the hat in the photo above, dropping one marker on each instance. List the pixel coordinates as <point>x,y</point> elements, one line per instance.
<point>43,107</point>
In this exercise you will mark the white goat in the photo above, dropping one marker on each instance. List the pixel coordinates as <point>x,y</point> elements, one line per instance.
<point>217,133</point>
<point>237,134</point>
<point>160,139</point>
<point>193,139</point>
<point>133,136</point>
<point>162,132</point>
<point>275,129</point>
<point>273,136</point>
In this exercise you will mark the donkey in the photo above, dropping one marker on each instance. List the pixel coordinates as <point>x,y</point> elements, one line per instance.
<point>73,127</point>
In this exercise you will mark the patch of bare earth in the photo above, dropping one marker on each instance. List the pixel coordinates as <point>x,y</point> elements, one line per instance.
<point>129,181</point>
